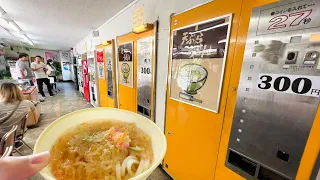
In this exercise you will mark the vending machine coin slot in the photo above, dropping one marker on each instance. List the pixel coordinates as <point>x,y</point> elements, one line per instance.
<point>292,57</point>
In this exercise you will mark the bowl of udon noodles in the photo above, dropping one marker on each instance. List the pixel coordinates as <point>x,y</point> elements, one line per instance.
<point>102,143</point>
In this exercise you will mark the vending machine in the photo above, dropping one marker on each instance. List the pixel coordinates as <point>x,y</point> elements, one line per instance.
<point>278,94</point>
<point>85,74</point>
<point>80,72</point>
<point>93,84</point>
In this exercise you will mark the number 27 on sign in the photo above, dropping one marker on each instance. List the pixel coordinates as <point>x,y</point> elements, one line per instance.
<point>290,20</point>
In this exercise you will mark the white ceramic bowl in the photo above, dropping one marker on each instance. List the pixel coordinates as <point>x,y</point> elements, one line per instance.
<point>49,136</point>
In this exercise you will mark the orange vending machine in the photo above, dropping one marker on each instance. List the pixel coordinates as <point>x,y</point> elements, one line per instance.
<point>136,71</point>
<point>106,74</point>
<point>269,128</point>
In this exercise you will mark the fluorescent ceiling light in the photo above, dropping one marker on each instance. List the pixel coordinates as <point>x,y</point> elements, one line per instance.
<point>4,20</point>
<point>2,12</point>
<point>14,26</point>
<point>28,40</point>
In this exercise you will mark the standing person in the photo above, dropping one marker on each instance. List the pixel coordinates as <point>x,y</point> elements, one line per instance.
<point>51,72</point>
<point>24,71</point>
<point>39,68</point>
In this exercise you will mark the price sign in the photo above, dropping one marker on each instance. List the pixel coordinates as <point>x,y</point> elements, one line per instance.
<point>291,84</point>
<point>289,17</point>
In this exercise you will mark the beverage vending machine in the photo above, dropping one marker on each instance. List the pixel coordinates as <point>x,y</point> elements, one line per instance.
<point>80,74</point>
<point>93,84</point>
<point>86,90</point>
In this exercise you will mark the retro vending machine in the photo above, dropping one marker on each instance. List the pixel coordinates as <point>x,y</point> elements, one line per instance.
<point>85,75</point>
<point>93,84</point>
<point>80,74</point>
<point>278,94</point>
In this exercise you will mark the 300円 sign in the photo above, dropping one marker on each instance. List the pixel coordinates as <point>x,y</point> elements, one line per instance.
<point>291,84</point>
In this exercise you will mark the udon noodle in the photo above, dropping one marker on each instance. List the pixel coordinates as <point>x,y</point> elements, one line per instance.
<point>101,150</point>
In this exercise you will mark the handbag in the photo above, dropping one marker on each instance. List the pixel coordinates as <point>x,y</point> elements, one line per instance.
<point>13,111</point>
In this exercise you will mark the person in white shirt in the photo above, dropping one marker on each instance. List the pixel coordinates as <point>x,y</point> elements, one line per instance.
<point>39,68</point>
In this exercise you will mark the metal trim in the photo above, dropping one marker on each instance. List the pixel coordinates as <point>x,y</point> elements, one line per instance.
<point>117,73</point>
<point>154,64</point>
<point>112,51</point>
<point>166,97</point>
<point>114,73</point>
<point>169,75</point>
<point>224,59</point>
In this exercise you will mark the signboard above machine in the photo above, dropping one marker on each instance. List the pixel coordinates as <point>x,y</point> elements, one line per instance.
<point>138,17</point>
<point>289,17</point>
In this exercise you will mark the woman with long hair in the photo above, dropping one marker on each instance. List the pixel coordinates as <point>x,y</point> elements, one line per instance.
<point>52,74</point>
<point>13,109</point>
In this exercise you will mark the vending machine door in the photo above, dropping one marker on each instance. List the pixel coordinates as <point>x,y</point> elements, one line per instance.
<point>279,91</point>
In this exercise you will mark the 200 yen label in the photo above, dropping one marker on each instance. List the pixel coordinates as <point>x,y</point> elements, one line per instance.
<point>291,84</point>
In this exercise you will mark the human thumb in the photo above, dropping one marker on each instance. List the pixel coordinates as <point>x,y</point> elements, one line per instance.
<point>27,166</point>
<point>39,161</point>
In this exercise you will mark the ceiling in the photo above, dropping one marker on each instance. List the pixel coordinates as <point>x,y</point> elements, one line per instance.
<point>56,24</point>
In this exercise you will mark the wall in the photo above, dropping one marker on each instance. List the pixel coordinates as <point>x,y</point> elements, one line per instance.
<point>122,23</point>
<point>32,52</point>
<point>40,52</point>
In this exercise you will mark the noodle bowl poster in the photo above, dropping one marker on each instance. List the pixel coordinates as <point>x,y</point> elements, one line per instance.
<point>126,64</point>
<point>197,64</point>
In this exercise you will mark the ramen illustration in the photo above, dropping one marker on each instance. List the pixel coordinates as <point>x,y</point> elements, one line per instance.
<point>100,69</point>
<point>125,69</point>
<point>191,78</point>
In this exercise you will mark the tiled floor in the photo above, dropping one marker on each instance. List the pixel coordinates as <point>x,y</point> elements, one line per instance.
<point>68,100</point>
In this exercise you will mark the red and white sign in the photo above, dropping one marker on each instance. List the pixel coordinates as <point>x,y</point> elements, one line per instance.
<point>99,55</point>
